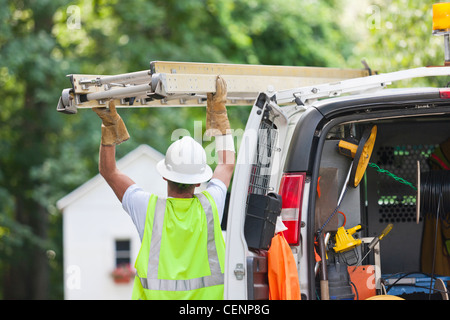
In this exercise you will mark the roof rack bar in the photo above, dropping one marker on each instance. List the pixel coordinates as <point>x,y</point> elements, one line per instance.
<point>305,95</point>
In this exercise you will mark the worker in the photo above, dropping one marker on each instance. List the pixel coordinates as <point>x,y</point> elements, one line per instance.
<point>182,252</point>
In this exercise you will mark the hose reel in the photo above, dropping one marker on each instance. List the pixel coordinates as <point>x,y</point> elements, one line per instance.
<point>360,151</point>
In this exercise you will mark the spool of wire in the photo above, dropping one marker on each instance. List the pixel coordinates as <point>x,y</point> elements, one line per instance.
<point>433,201</point>
<point>433,193</point>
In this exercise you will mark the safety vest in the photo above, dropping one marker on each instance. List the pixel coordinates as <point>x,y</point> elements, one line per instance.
<point>182,253</point>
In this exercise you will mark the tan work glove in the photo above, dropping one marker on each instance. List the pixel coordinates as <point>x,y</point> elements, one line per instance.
<point>216,112</point>
<point>114,130</point>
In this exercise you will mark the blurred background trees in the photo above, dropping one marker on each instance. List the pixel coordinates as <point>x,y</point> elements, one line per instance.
<point>44,154</point>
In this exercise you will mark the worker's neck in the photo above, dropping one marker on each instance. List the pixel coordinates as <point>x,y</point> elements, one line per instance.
<point>174,194</point>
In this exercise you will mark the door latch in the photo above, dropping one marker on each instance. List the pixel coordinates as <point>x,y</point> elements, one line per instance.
<point>239,271</point>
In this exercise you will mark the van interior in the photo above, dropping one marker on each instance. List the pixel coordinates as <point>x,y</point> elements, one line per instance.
<point>405,151</point>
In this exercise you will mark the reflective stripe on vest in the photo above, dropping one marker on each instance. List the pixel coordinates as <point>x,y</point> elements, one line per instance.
<point>153,283</point>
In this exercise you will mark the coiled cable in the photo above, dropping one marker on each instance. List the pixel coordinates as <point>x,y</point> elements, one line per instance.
<point>435,202</point>
<point>435,193</point>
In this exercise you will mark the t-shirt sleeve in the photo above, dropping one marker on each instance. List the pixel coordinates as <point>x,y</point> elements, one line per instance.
<point>218,191</point>
<point>135,202</point>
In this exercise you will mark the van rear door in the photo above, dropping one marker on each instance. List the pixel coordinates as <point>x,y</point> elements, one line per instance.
<point>257,173</point>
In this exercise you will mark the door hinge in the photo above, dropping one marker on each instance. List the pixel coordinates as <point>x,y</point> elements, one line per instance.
<point>239,271</point>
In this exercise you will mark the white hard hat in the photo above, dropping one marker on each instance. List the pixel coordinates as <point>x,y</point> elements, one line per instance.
<point>185,162</point>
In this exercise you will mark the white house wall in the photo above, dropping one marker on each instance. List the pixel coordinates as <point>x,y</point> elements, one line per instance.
<point>93,220</point>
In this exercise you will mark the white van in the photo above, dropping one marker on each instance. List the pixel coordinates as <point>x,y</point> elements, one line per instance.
<point>290,147</point>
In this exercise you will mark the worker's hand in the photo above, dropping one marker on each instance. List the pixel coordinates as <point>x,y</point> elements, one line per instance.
<point>109,115</point>
<point>216,112</point>
<point>114,130</point>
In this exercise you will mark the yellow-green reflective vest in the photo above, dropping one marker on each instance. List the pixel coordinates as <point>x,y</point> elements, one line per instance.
<point>182,254</point>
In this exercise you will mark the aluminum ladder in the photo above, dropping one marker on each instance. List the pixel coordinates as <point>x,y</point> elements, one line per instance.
<point>178,84</point>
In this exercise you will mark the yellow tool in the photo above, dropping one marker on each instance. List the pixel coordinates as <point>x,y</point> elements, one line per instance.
<point>360,152</point>
<point>344,239</point>
<point>375,241</point>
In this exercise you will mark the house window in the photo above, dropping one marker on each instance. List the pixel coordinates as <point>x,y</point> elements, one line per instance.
<point>123,253</point>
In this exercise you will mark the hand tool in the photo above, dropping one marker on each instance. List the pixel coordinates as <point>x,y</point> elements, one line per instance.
<point>375,241</point>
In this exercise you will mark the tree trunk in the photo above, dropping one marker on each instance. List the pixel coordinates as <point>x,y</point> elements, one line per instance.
<point>28,273</point>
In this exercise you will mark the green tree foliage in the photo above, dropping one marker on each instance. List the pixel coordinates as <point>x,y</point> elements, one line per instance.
<point>28,131</point>
<point>398,36</point>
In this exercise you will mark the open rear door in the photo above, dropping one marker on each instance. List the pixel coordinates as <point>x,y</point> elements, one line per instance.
<point>257,174</point>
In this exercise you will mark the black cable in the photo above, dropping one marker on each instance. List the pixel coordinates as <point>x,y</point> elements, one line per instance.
<point>435,243</point>
<point>319,232</point>
<point>356,290</point>
<point>434,184</point>
<point>434,199</point>
<point>408,274</point>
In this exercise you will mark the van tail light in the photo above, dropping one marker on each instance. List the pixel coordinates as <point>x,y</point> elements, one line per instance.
<point>291,191</point>
<point>444,93</point>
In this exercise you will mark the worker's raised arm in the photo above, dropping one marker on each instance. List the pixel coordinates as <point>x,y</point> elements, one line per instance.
<point>217,125</point>
<point>118,181</point>
<point>114,132</point>
<point>225,167</point>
